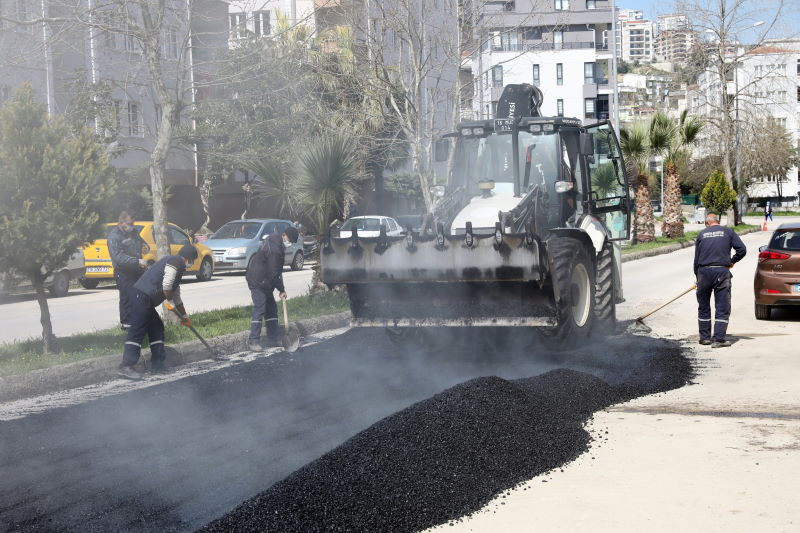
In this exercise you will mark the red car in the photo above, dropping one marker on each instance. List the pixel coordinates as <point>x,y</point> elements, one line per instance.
<point>777,280</point>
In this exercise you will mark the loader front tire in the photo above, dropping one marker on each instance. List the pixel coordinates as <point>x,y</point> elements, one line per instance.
<point>573,277</point>
<point>604,295</point>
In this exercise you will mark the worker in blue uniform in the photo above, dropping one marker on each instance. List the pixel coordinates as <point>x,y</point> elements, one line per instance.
<point>712,269</point>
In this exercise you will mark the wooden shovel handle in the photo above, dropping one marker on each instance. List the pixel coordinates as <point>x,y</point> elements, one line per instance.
<point>693,287</point>
<point>285,314</point>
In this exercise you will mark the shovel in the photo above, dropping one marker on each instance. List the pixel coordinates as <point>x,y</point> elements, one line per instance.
<point>639,326</point>
<point>214,354</point>
<point>291,336</point>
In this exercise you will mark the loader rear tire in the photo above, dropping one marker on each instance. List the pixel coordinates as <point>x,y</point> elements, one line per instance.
<point>574,290</point>
<point>605,308</point>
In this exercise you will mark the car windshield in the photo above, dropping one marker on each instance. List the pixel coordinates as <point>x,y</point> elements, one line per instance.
<point>362,224</point>
<point>786,240</point>
<point>238,230</point>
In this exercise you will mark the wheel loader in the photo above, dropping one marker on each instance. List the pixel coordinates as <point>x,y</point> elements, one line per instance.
<point>524,233</point>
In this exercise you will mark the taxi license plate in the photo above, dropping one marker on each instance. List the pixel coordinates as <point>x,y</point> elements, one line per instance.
<point>96,269</point>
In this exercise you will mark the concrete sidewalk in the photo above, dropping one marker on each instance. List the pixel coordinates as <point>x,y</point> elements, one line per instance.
<point>721,455</point>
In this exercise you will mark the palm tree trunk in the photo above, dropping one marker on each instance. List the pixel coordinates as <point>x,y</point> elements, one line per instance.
<point>673,216</point>
<point>645,228</point>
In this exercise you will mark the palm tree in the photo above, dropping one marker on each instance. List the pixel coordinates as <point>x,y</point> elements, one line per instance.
<point>682,134</point>
<point>640,144</point>
<point>329,176</point>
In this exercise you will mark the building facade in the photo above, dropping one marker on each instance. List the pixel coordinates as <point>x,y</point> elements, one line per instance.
<point>261,17</point>
<point>636,41</point>
<point>562,48</point>
<point>675,39</point>
<point>767,81</point>
<point>64,61</point>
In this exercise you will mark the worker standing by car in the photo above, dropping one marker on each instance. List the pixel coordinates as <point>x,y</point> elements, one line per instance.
<point>712,264</point>
<point>126,248</point>
<point>161,282</point>
<point>264,276</point>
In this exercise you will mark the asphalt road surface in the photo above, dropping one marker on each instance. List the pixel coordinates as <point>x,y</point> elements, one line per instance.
<point>175,454</point>
<point>87,310</point>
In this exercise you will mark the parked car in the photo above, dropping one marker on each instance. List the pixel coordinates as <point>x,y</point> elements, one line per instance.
<point>235,243</point>
<point>370,226</point>
<point>57,283</point>
<point>777,279</point>
<point>98,259</point>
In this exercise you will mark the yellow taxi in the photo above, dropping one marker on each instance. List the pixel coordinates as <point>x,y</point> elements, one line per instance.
<point>98,260</point>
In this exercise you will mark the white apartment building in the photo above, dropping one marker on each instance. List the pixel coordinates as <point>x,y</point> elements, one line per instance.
<point>674,40</point>
<point>562,51</point>
<point>768,80</point>
<point>636,39</point>
<point>260,17</point>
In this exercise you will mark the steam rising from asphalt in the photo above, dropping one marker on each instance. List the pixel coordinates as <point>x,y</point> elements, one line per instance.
<point>174,457</point>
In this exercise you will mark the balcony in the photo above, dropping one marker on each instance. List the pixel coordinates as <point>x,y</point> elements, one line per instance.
<point>546,46</point>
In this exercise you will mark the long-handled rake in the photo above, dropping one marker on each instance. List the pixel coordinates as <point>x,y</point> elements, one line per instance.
<point>639,326</point>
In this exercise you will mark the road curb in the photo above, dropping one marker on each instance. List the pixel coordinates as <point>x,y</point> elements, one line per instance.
<point>100,369</point>
<point>672,248</point>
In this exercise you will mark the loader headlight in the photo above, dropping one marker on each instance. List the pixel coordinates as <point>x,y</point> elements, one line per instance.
<point>535,128</point>
<point>564,186</point>
<point>477,131</point>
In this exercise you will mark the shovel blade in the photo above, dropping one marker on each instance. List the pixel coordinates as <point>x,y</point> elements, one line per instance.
<point>291,338</point>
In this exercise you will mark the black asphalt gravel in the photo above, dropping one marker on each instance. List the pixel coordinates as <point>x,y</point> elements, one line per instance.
<point>175,456</point>
<point>447,456</point>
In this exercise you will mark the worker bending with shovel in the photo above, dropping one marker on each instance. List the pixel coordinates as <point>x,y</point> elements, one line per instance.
<point>264,276</point>
<point>712,268</point>
<point>161,282</point>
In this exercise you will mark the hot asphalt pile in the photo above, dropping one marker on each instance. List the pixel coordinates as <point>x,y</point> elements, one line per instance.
<point>447,456</point>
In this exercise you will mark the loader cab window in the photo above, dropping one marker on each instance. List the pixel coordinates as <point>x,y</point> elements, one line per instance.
<point>608,182</point>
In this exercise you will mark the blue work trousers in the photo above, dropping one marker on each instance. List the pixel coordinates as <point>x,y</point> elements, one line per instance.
<point>264,308</point>
<point>144,321</point>
<point>125,281</point>
<point>716,280</point>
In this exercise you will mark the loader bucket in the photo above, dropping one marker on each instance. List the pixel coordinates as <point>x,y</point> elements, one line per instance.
<point>442,280</point>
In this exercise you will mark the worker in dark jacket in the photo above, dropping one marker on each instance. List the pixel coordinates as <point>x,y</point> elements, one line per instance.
<point>264,276</point>
<point>126,248</point>
<point>162,281</point>
<point>712,268</point>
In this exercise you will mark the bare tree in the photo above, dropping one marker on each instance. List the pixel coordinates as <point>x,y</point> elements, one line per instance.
<point>725,23</point>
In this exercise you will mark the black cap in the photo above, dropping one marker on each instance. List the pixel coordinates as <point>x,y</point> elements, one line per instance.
<point>291,233</point>
<point>188,251</point>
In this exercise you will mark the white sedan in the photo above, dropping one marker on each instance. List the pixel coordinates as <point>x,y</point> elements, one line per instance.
<point>370,226</point>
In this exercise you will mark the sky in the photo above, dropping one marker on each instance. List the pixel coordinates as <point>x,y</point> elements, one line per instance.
<point>790,19</point>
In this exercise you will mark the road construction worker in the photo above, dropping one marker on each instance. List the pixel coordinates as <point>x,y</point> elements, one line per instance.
<point>126,248</point>
<point>712,269</point>
<point>160,282</point>
<point>264,276</point>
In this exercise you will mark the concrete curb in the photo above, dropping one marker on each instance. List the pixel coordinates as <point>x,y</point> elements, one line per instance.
<point>100,369</point>
<point>671,248</point>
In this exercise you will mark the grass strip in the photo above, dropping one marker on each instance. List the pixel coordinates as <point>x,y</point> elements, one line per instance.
<point>24,356</point>
<point>661,241</point>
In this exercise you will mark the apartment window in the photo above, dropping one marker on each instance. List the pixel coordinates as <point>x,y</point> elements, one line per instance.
<point>559,74</point>
<point>588,73</point>
<point>798,93</point>
<point>536,80</point>
<point>23,14</point>
<point>134,119</point>
<point>494,110</point>
<point>560,107</point>
<point>130,43</point>
<point>798,67</point>
<point>558,39</point>
<point>238,24</point>
<point>588,108</point>
<point>562,5</point>
<point>115,117</point>
<point>781,121</point>
<point>497,76</point>
<point>591,4</point>
<point>261,23</point>
<point>170,44</point>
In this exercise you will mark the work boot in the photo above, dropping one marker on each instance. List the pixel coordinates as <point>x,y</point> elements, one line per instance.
<point>254,346</point>
<point>721,344</point>
<point>705,342</point>
<point>128,372</point>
